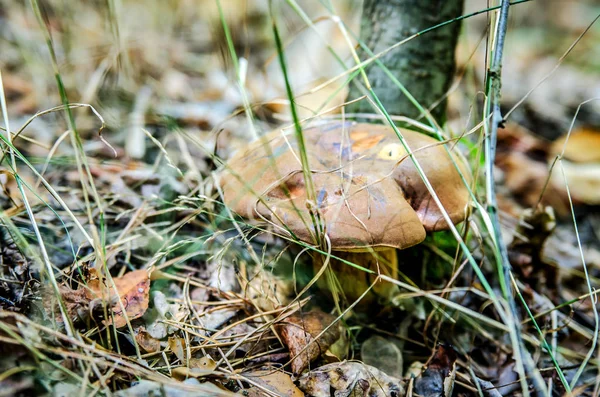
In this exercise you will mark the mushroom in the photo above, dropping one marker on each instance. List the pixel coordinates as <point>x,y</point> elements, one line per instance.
<point>369,197</point>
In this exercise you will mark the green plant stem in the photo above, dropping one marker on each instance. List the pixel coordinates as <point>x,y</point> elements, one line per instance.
<point>516,339</point>
<point>238,73</point>
<point>525,363</point>
<point>306,170</point>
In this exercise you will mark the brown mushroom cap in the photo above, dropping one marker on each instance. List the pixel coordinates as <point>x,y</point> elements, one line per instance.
<point>368,192</point>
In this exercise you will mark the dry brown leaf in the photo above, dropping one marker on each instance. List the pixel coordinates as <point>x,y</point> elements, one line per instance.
<point>76,303</point>
<point>582,146</point>
<point>276,381</point>
<point>521,157</point>
<point>206,363</point>
<point>580,164</point>
<point>133,290</point>
<point>177,346</point>
<point>583,181</point>
<point>298,332</point>
<point>146,341</point>
<point>197,367</point>
<point>183,373</point>
<point>22,93</point>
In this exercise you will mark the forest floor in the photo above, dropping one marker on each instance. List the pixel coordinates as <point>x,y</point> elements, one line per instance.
<point>123,273</point>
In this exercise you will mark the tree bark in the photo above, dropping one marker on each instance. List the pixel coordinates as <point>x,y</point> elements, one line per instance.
<point>424,65</point>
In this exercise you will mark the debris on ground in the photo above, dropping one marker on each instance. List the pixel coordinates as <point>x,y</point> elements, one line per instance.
<point>123,272</point>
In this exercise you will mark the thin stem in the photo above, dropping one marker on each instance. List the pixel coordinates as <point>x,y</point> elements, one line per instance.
<point>239,74</point>
<point>306,170</point>
<point>522,359</point>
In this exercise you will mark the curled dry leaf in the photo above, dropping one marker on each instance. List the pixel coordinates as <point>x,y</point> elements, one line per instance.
<point>350,379</point>
<point>277,382</point>
<point>76,303</point>
<point>177,346</point>
<point>205,363</point>
<point>197,367</point>
<point>146,341</point>
<point>298,332</point>
<point>132,289</point>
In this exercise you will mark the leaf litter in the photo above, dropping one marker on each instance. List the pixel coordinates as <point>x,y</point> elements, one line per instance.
<point>173,298</point>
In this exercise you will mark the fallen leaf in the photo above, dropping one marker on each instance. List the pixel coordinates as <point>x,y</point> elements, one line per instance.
<point>64,389</point>
<point>382,354</point>
<point>508,379</point>
<point>561,248</point>
<point>206,363</point>
<point>215,319</point>
<point>133,291</point>
<point>414,369</point>
<point>339,350</point>
<point>522,160</point>
<point>580,164</point>
<point>146,341</point>
<point>196,367</point>
<point>177,346</point>
<point>582,146</point>
<point>276,381</point>
<point>183,373</point>
<point>22,93</point>
<point>583,181</point>
<point>298,332</point>
<point>88,301</point>
<point>350,379</point>
<point>76,302</point>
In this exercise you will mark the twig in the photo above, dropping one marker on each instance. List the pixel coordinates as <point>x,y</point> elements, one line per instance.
<point>525,363</point>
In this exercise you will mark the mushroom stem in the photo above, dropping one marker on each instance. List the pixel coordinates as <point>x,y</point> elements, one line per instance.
<point>354,281</point>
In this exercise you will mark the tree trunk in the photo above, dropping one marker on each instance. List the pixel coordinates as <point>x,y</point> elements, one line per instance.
<point>424,65</point>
